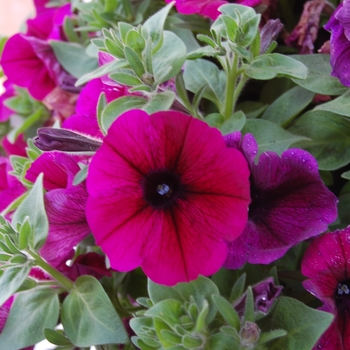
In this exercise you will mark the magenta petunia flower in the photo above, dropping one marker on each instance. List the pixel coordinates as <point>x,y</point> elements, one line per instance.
<point>64,204</point>
<point>290,203</point>
<point>339,26</point>
<point>207,8</point>
<point>327,263</point>
<point>166,194</point>
<point>31,63</point>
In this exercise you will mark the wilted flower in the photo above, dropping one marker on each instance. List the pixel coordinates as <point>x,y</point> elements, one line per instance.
<point>207,8</point>
<point>339,26</point>
<point>64,204</point>
<point>290,203</point>
<point>166,194</point>
<point>327,263</point>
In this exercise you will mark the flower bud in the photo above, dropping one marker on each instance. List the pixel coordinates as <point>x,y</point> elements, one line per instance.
<point>51,139</point>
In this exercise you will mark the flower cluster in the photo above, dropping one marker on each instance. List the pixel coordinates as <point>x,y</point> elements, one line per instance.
<point>162,188</point>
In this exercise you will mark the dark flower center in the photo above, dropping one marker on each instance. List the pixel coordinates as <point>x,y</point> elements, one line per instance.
<point>161,189</point>
<point>342,297</point>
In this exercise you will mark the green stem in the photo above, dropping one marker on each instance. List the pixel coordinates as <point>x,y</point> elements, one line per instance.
<point>230,87</point>
<point>65,282</point>
<point>239,89</point>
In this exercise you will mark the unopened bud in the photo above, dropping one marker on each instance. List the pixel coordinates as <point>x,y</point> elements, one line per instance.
<point>249,334</point>
<point>52,139</point>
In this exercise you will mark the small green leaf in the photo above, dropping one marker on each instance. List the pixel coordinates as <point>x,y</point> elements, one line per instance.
<point>101,71</point>
<point>101,105</point>
<point>249,306</point>
<point>135,41</point>
<point>73,58</point>
<point>126,77</point>
<point>37,218</point>
<point>200,290</point>
<point>227,311</point>
<point>134,61</point>
<point>39,308</point>
<point>273,65</point>
<point>160,102</point>
<point>56,337</point>
<point>25,234</point>
<point>234,123</point>
<point>12,278</point>
<point>268,336</point>
<point>154,25</point>
<point>81,175</point>
<point>117,107</point>
<point>88,316</point>
<point>237,289</point>
<point>168,310</point>
<point>158,292</point>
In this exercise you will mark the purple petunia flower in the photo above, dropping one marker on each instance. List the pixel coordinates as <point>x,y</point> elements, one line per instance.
<point>327,263</point>
<point>207,8</point>
<point>339,26</point>
<point>64,203</point>
<point>289,204</point>
<point>166,194</point>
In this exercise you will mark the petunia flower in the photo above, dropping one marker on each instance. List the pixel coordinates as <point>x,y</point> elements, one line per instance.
<point>327,263</point>
<point>31,63</point>
<point>207,8</point>
<point>64,204</point>
<point>290,203</point>
<point>166,194</point>
<point>339,26</point>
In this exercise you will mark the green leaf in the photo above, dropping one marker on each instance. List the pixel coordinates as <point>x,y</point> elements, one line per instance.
<point>340,105</point>
<point>168,62</point>
<point>304,331</point>
<point>126,77</point>
<point>227,311</point>
<point>158,292</point>
<point>154,25</point>
<point>134,61</point>
<point>168,310</point>
<point>101,71</point>
<point>201,72</point>
<point>37,218</point>
<point>273,65</point>
<point>117,107</point>
<point>222,341</point>
<point>329,138</point>
<point>56,337</point>
<point>319,77</point>
<point>31,312</point>
<point>249,306</point>
<point>234,123</point>
<point>237,289</point>
<point>285,108</point>
<point>73,58</point>
<point>88,316</point>
<point>268,336</point>
<point>160,102</point>
<point>200,289</point>
<point>135,41</point>
<point>81,175</point>
<point>270,136</point>
<point>12,279</point>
